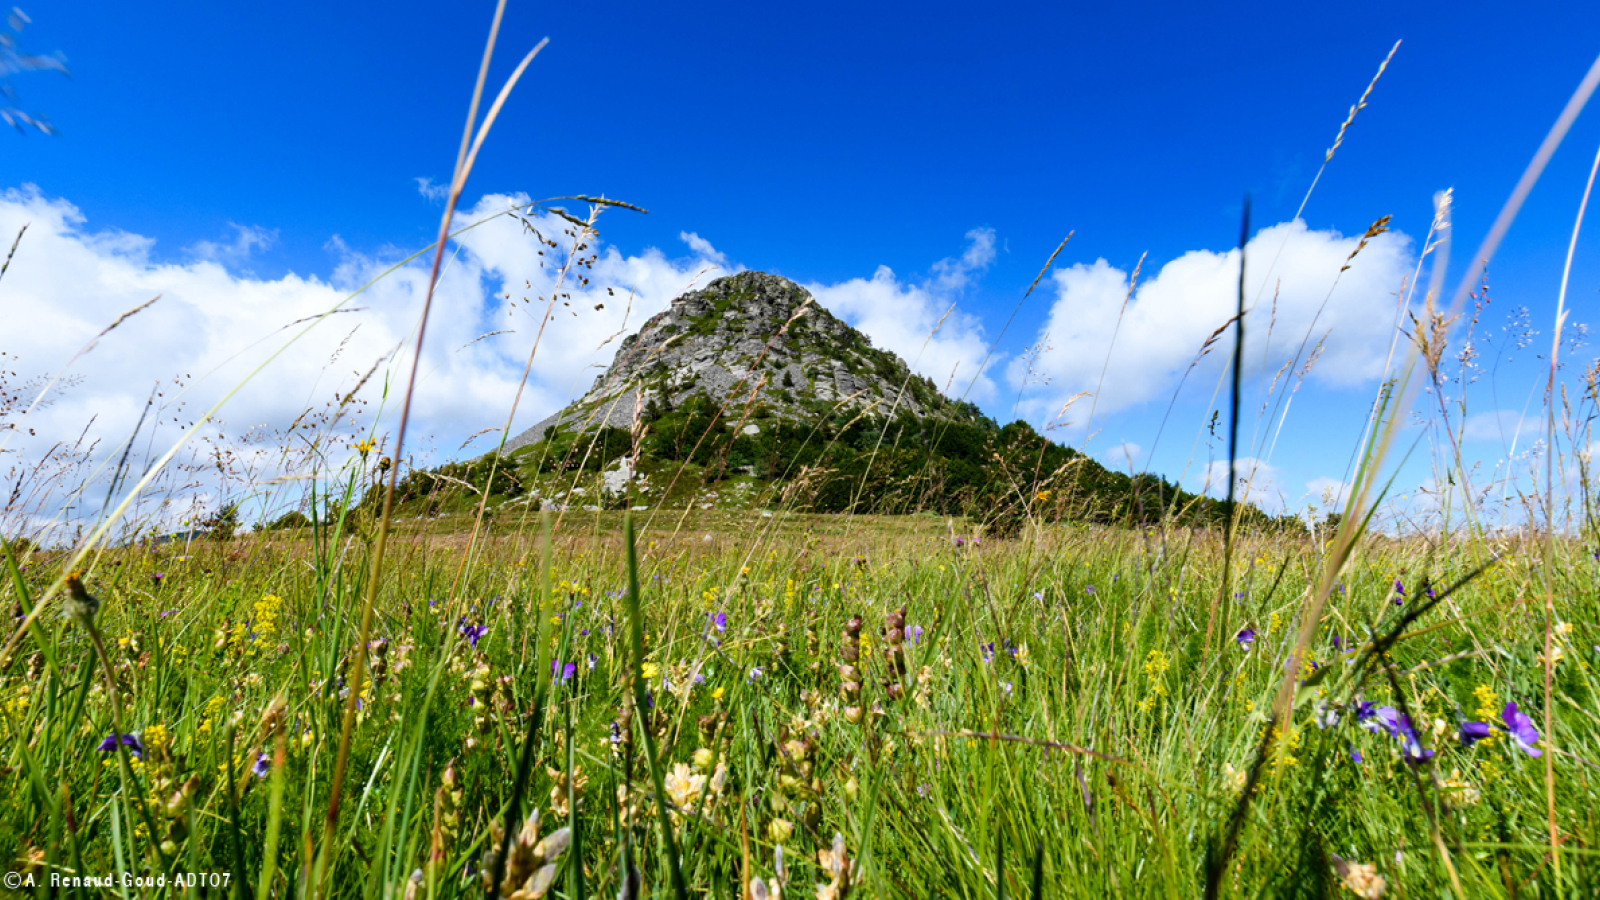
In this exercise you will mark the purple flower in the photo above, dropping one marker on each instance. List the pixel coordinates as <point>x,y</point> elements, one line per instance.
<point>592,660</point>
<point>129,740</point>
<point>157,576</point>
<point>1089,589</point>
<point>1473,732</point>
<point>474,633</point>
<point>1246,637</point>
<point>1521,728</point>
<point>1386,718</point>
<point>719,621</point>
<point>914,633</point>
<point>1413,749</point>
<point>755,673</point>
<point>1366,709</point>
<point>988,652</point>
<point>562,673</point>
<point>1355,755</point>
<point>262,767</point>
<point>1399,593</point>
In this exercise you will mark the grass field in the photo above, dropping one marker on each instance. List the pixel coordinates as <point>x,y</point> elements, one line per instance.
<point>1077,709</point>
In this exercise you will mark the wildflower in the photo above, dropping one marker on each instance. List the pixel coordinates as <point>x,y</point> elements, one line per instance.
<point>364,446</point>
<point>988,652</point>
<point>1473,732</point>
<point>1232,778</point>
<point>914,633</point>
<point>80,605</point>
<point>561,673</point>
<point>262,767</point>
<point>780,830</point>
<point>1326,715</point>
<point>719,621</point>
<point>474,633</point>
<point>1246,637</point>
<point>717,692</point>
<point>1458,793</point>
<point>683,785</point>
<point>837,868</point>
<point>1374,717</point>
<point>1089,589</point>
<point>1022,656</point>
<point>1399,593</point>
<point>755,672</point>
<point>1521,729</point>
<point>650,670</point>
<point>128,740</point>
<point>1362,879</point>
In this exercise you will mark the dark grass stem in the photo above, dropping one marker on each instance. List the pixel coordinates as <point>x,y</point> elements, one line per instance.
<point>1225,591</point>
<point>641,713</point>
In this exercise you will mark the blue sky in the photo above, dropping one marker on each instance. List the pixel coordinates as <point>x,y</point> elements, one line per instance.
<point>274,151</point>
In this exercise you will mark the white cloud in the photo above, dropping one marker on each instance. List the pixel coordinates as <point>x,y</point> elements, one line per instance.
<point>434,192</point>
<point>212,327</point>
<point>1259,482</point>
<point>920,320</point>
<point>1123,456</point>
<point>1170,316</point>
<point>1328,494</point>
<point>215,325</point>
<point>246,240</point>
<point>704,250</point>
<point>1500,426</point>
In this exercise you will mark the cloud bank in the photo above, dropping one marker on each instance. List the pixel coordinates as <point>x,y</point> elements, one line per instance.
<point>1169,316</point>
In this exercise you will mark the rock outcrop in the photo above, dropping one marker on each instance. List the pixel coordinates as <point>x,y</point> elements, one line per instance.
<point>750,338</point>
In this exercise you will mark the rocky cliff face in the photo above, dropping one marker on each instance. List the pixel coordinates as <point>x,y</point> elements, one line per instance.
<point>751,339</point>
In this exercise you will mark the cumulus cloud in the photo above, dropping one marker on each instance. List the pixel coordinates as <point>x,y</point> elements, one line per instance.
<point>1328,494</point>
<point>1500,426</point>
<point>920,320</point>
<point>434,192</point>
<point>212,327</point>
<point>1259,482</point>
<point>219,333</point>
<point>704,250</point>
<point>247,239</point>
<point>1125,455</point>
<point>1170,315</point>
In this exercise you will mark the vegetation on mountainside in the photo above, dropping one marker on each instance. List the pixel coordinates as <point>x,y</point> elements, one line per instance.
<point>838,462</point>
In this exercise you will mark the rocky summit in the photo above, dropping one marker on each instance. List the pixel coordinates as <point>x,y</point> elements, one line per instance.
<point>750,340</point>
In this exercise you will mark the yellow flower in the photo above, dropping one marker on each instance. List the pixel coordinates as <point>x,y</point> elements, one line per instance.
<point>155,737</point>
<point>1043,496</point>
<point>365,446</point>
<point>683,785</point>
<point>650,670</point>
<point>717,694</point>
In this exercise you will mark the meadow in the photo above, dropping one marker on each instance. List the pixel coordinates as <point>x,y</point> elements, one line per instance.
<point>474,698</point>
<point>836,705</point>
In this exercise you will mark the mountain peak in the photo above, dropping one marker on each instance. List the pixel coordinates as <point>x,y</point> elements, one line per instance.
<point>745,340</point>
